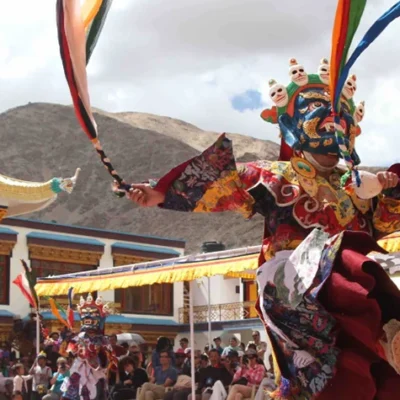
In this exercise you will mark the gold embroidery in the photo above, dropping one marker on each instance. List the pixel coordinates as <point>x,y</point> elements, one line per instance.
<point>285,170</point>
<point>314,145</point>
<point>224,188</point>
<point>309,185</point>
<point>391,222</point>
<point>316,96</point>
<point>327,194</point>
<point>328,142</point>
<point>310,128</point>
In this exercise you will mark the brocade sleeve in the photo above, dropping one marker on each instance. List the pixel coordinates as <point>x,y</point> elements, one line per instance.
<point>210,182</point>
<point>386,218</point>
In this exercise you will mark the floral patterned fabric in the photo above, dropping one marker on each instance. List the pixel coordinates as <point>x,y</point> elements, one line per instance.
<point>207,183</point>
<point>298,325</point>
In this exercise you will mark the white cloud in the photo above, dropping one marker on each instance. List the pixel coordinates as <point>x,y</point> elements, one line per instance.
<point>186,59</point>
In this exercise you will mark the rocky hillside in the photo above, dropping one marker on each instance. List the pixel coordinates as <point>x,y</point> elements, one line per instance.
<point>44,140</point>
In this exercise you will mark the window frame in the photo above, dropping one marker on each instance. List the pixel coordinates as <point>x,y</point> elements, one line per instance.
<point>5,301</point>
<point>84,267</point>
<point>119,297</point>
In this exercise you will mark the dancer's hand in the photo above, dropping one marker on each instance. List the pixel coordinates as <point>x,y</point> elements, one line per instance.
<point>388,179</point>
<point>145,196</point>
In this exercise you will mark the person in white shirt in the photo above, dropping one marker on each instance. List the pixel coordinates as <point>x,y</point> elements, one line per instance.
<point>20,380</point>
<point>41,377</point>
<point>261,347</point>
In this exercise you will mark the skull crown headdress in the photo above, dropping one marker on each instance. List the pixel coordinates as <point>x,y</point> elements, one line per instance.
<point>93,314</point>
<point>316,112</point>
<point>303,109</point>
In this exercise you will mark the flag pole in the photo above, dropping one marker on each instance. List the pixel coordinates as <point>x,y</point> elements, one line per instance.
<point>38,328</point>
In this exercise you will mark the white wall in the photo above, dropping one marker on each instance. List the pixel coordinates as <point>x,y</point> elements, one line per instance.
<point>222,291</point>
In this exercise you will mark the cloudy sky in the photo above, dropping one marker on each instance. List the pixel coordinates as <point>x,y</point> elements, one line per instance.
<point>207,62</point>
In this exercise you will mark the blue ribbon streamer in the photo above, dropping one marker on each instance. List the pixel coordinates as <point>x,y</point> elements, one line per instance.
<point>373,32</point>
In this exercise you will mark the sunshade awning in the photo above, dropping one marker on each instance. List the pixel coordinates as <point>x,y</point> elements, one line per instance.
<point>239,263</point>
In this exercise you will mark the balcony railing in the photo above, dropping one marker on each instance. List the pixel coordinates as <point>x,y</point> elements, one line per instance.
<point>219,312</point>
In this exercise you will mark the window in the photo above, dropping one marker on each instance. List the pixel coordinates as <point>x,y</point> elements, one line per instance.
<point>250,298</point>
<point>43,268</point>
<point>5,279</point>
<point>154,299</point>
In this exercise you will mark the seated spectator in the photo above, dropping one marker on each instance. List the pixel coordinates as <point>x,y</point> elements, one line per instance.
<point>183,386</point>
<point>215,372</point>
<point>251,345</point>
<point>248,375</point>
<point>204,361</point>
<point>144,351</point>
<point>129,379</point>
<point>217,342</point>
<point>125,346</point>
<point>234,345</point>
<point>232,361</point>
<point>261,347</point>
<point>266,385</point>
<point>187,365</point>
<point>118,350</point>
<point>163,345</point>
<point>184,344</point>
<point>134,351</point>
<point>164,376</point>
<point>180,359</point>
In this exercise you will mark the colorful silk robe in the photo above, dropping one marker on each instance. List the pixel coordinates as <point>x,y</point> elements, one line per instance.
<point>213,182</point>
<point>301,333</point>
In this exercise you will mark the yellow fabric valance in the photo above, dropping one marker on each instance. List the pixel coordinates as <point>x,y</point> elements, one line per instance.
<point>240,267</point>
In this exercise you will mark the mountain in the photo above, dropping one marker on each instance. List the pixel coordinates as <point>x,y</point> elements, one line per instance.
<point>44,140</point>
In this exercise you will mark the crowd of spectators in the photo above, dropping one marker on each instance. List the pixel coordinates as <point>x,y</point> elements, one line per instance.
<point>233,372</point>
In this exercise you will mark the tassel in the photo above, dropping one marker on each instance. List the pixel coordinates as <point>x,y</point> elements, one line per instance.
<point>344,179</point>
